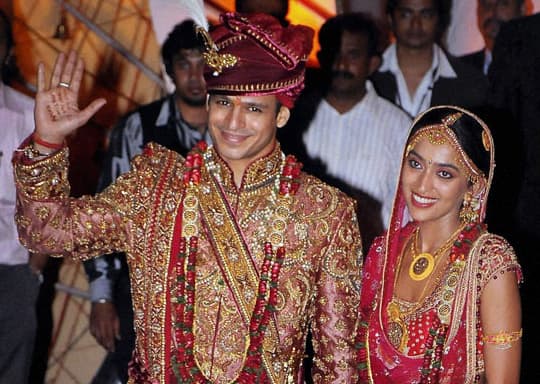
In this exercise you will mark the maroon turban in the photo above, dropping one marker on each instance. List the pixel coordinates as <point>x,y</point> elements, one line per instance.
<point>257,56</point>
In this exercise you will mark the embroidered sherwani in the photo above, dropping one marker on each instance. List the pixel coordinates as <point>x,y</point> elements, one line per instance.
<point>139,214</point>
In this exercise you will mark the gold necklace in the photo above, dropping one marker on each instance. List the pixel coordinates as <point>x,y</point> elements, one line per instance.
<point>397,329</point>
<point>423,263</point>
<point>398,332</point>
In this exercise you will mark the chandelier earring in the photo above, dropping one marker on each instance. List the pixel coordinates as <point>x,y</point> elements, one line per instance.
<point>470,209</point>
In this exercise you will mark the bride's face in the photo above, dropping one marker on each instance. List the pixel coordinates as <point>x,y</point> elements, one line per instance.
<point>433,182</point>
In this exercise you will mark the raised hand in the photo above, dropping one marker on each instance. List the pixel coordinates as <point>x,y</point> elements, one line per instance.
<point>57,112</point>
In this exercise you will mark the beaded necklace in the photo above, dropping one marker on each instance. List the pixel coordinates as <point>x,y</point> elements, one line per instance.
<point>400,311</point>
<point>184,365</point>
<point>432,359</point>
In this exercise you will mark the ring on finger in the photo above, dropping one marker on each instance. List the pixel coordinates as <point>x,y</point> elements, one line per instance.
<point>63,84</point>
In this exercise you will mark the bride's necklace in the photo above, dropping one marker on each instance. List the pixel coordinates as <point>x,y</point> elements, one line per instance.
<point>423,263</point>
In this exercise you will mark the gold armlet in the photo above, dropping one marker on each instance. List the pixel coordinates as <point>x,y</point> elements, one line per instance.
<point>503,340</point>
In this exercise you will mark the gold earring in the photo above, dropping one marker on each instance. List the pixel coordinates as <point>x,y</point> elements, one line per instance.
<point>469,210</point>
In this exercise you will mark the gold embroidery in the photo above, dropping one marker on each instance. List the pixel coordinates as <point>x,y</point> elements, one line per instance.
<point>147,199</point>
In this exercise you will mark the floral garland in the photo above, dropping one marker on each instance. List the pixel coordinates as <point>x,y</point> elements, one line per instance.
<point>183,361</point>
<point>138,372</point>
<point>432,361</point>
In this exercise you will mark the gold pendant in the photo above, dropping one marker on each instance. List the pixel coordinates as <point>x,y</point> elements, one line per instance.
<point>395,335</point>
<point>421,266</point>
<point>397,329</point>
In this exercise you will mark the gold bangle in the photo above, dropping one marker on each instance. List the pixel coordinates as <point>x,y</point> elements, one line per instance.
<point>503,340</point>
<point>33,154</point>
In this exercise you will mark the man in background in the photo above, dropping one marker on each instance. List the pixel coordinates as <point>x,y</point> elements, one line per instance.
<point>355,136</point>
<point>177,121</point>
<point>490,15</point>
<point>515,89</point>
<point>416,73</point>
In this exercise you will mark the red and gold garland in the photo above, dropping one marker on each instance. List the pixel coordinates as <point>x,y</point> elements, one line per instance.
<point>183,362</point>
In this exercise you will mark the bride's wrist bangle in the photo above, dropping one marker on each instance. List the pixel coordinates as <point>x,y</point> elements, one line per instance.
<point>38,140</point>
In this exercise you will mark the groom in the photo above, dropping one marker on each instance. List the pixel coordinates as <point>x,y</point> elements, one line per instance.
<point>234,252</point>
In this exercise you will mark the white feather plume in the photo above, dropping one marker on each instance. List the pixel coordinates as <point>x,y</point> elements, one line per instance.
<point>195,10</point>
<point>167,13</point>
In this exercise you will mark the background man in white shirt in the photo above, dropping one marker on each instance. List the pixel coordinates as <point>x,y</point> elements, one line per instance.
<point>354,138</point>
